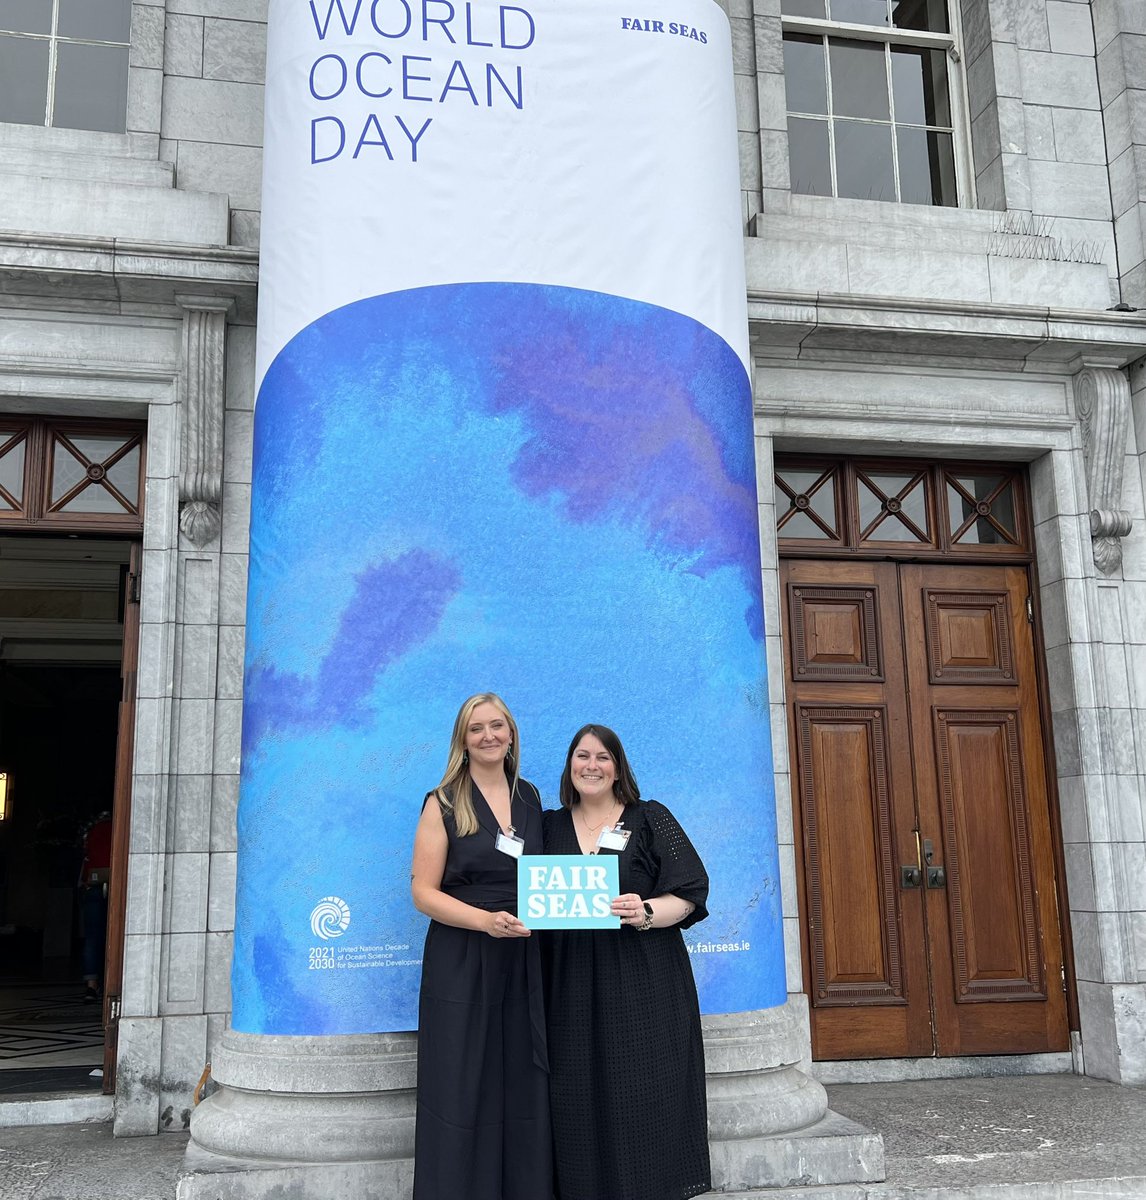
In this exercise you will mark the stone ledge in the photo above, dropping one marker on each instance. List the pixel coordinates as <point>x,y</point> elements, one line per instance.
<point>1131,1187</point>
<point>97,168</point>
<point>87,208</point>
<point>830,1152</point>
<point>833,1151</point>
<point>206,1176</point>
<point>55,1108</point>
<point>895,1070</point>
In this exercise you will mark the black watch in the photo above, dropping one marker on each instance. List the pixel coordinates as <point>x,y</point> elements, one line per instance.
<point>647,923</point>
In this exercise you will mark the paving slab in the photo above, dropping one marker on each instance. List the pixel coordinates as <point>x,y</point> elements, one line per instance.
<point>1045,1137</point>
<point>84,1162</point>
<point>956,1133</point>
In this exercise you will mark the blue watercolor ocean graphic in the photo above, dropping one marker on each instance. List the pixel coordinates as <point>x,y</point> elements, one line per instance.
<point>538,491</point>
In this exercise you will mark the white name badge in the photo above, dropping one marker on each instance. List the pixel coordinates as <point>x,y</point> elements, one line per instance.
<point>509,843</point>
<point>613,839</point>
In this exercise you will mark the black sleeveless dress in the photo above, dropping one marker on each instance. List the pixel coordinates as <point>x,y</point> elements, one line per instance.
<point>483,1085</point>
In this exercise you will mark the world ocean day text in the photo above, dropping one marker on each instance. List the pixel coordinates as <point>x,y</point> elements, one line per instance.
<point>406,54</point>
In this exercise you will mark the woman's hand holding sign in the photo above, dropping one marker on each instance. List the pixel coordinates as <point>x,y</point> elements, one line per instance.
<point>505,925</point>
<point>630,908</point>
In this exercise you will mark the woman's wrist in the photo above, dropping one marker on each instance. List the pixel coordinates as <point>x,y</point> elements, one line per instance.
<point>667,911</point>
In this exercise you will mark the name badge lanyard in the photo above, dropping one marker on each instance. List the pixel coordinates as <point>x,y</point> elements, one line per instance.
<point>509,843</point>
<point>616,838</point>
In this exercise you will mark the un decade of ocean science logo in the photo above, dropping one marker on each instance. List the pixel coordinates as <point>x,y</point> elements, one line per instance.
<point>330,918</point>
<point>648,25</point>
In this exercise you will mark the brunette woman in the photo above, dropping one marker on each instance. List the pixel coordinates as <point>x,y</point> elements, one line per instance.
<point>627,1085</point>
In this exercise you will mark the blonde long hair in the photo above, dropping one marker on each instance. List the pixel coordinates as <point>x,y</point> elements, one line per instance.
<point>455,792</point>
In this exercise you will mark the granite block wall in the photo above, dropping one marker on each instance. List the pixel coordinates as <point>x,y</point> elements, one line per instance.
<point>214,56</point>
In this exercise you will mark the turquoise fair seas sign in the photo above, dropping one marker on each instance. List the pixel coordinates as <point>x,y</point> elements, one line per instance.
<point>567,891</point>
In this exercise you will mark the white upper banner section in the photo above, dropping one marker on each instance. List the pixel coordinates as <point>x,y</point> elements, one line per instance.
<point>586,144</point>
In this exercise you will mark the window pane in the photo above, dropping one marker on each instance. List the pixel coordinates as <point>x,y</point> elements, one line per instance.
<point>125,476</point>
<point>859,79</point>
<point>919,81</point>
<point>23,81</point>
<point>926,167</point>
<point>892,529</point>
<point>930,15</point>
<point>12,471</point>
<point>91,87</point>
<point>859,12</point>
<point>800,525</point>
<point>103,20</point>
<point>808,157</point>
<point>863,161</point>
<point>803,8</point>
<point>95,498</point>
<point>813,494</point>
<point>884,504</point>
<point>67,471</point>
<point>804,76</point>
<point>1002,509</point>
<point>96,449</point>
<point>26,16</point>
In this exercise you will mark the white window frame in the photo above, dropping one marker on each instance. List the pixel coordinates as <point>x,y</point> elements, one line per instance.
<point>950,43</point>
<point>55,40</point>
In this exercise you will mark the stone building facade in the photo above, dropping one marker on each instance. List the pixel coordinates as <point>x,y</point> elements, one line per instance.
<point>992,332</point>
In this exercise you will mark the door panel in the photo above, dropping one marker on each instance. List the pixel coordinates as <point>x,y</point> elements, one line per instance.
<point>921,804</point>
<point>855,810</point>
<point>994,946</point>
<point>854,933</point>
<point>991,898</point>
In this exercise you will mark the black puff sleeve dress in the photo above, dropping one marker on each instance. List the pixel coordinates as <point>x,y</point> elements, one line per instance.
<point>626,1057</point>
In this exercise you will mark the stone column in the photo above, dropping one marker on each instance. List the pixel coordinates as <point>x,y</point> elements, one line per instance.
<point>363,391</point>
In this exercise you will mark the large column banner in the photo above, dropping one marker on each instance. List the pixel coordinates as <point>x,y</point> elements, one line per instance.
<point>503,441</point>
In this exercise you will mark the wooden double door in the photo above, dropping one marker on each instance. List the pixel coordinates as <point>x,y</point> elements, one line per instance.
<point>931,922</point>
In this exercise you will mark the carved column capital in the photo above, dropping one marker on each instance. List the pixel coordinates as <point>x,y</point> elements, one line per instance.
<point>201,395</point>
<point>1102,398</point>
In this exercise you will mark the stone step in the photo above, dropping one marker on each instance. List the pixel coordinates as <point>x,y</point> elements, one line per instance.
<point>55,1108</point>
<point>1127,1187</point>
<point>86,208</point>
<point>95,168</point>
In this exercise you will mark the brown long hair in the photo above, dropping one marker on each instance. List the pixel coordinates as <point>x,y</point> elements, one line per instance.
<point>624,786</point>
<point>455,792</point>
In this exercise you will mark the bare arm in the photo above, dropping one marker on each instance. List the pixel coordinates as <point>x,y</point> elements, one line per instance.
<point>668,910</point>
<point>430,847</point>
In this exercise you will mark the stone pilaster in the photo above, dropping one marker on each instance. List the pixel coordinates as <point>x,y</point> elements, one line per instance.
<point>1102,398</point>
<point>202,384</point>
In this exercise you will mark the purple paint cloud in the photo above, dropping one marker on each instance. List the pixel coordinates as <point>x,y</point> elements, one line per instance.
<point>616,430</point>
<point>396,605</point>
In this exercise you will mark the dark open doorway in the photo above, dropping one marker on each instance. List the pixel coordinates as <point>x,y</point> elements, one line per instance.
<point>62,608</point>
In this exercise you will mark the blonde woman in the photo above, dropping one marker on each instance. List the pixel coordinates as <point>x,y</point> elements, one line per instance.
<point>483,1086</point>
